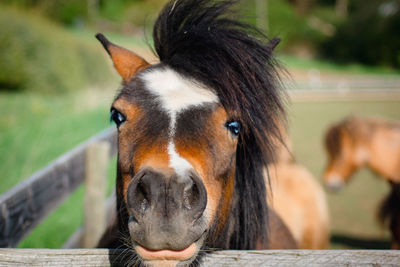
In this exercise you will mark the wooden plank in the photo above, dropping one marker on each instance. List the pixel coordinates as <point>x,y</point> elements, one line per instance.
<point>95,193</point>
<point>105,257</point>
<point>28,203</point>
<point>307,258</point>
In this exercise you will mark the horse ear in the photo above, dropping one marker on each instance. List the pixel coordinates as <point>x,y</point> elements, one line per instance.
<point>273,43</point>
<point>126,62</point>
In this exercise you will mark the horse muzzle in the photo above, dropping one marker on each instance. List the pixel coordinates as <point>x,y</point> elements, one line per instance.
<point>167,221</point>
<point>334,182</point>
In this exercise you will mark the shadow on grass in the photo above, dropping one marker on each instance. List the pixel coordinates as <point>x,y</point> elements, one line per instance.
<point>356,242</point>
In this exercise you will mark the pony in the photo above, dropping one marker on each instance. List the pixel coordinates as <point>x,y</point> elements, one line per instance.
<point>296,196</point>
<point>373,142</point>
<point>195,133</point>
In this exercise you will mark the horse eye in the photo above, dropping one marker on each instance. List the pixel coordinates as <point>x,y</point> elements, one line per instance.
<point>233,127</point>
<point>117,117</point>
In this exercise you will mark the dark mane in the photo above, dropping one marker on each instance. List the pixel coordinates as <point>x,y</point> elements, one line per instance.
<point>200,39</point>
<point>333,140</point>
<point>355,129</point>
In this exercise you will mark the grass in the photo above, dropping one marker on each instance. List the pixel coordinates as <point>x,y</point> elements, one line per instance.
<point>34,130</point>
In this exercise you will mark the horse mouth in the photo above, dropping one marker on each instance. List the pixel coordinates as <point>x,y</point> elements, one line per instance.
<point>167,254</point>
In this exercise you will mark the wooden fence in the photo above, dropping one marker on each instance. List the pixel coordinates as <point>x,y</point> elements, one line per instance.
<point>27,204</point>
<point>105,257</point>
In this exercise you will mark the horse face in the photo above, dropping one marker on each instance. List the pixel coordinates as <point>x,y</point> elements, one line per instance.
<point>343,158</point>
<point>176,159</point>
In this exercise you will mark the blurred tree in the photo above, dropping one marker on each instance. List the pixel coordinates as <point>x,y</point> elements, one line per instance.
<point>37,55</point>
<point>262,14</point>
<point>370,35</point>
<point>93,9</point>
<point>341,7</point>
<point>303,7</point>
<point>68,12</point>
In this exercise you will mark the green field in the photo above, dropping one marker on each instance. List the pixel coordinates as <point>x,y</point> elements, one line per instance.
<point>36,129</point>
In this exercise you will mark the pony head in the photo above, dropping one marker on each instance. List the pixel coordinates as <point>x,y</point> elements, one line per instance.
<point>347,151</point>
<point>195,132</point>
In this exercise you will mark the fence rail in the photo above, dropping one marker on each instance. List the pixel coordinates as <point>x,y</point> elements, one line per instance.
<point>28,203</point>
<point>232,258</point>
<point>307,95</point>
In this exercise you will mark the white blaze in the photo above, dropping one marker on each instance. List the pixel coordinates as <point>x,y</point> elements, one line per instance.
<point>176,93</point>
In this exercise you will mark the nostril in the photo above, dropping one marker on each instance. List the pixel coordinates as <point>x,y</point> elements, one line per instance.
<point>143,196</point>
<point>196,197</point>
<point>190,195</point>
<point>140,193</point>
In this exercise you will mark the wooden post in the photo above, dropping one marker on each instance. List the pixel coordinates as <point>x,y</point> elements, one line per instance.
<point>97,157</point>
<point>262,14</point>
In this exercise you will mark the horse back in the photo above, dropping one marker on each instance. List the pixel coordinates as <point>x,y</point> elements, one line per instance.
<point>279,236</point>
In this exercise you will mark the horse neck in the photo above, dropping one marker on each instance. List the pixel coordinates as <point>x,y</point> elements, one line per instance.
<point>384,154</point>
<point>358,141</point>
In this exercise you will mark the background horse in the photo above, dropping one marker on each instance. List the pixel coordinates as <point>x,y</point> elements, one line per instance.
<point>194,136</point>
<point>298,199</point>
<point>374,142</point>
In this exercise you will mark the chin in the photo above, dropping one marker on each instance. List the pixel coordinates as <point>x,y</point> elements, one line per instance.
<point>188,256</point>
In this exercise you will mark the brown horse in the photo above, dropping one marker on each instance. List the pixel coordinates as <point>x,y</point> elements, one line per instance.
<point>374,142</point>
<point>296,196</point>
<point>194,137</point>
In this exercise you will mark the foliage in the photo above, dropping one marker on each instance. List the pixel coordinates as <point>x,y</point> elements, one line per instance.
<point>64,11</point>
<point>38,56</point>
<point>371,35</point>
<point>286,23</point>
<point>73,12</point>
<point>143,12</point>
<point>68,12</point>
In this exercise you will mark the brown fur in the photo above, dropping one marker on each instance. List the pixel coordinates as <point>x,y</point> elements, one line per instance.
<point>296,196</point>
<point>300,201</point>
<point>212,168</point>
<point>356,142</point>
<point>216,167</point>
<point>280,236</point>
<point>373,142</point>
<point>220,191</point>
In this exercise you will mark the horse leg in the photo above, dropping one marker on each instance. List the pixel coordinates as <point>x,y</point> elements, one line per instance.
<point>395,220</point>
